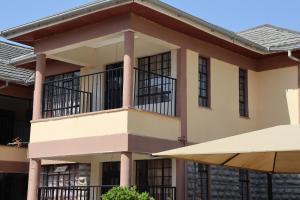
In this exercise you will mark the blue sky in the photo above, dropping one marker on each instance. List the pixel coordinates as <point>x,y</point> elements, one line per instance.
<point>235,15</point>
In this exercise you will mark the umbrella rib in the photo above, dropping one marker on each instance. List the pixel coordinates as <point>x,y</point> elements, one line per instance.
<point>274,162</point>
<point>229,159</point>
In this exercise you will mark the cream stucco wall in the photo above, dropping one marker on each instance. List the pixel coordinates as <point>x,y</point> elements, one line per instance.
<point>222,119</point>
<point>278,97</point>
<point>79,126</point>
<point>13,154</point>
<point>153,125</point>
<point>272,96</point>
<point>119,121</point>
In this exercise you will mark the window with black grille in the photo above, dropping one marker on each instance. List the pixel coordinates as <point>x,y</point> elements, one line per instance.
<point>244,184</point>
<point>243,92</point>
<point>153,173</point>
<point>204,82</point>
<point>65,175</point>
<point>153,84</point>
<point>62,95</point>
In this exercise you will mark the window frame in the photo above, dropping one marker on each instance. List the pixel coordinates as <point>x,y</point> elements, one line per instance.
<point>208,82</point>
<point>146,83</point>
<point>51,95</point>
<point>244,89</point>
<point>152,167</point>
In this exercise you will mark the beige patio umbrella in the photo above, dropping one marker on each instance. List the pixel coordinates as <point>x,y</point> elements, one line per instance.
<point>273,150</point>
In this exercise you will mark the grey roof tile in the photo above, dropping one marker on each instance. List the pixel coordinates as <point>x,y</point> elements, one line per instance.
<point>272,37</point>
<point>9,72</point>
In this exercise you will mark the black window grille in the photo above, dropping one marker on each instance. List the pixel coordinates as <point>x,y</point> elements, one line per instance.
<point>153,88</point>
<point>65,175</point>
<point>243,92</point>
<point>198,181</point>
<point>62,95</point>
<point>155,176</point>
<point>244,184</point>
<point>154,172</point>
<point>204,82</point>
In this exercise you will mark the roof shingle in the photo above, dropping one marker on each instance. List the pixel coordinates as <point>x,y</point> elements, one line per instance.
<point>10,73</point>
<point>272,37</point>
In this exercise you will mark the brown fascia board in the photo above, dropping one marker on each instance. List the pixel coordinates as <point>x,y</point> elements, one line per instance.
<point>89,13</point>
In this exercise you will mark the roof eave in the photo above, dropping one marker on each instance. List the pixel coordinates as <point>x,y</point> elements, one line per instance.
<point>23,59</point>
<point>106,4</point>
<point>61,17</point>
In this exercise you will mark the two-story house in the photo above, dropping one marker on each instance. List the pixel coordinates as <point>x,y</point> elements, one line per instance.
<point>15,114</point>
<point>119,80</point>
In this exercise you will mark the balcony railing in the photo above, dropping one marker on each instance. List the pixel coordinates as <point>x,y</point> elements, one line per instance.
<point>104,90</point>
<point>155,92</point>
<point>95,192</point>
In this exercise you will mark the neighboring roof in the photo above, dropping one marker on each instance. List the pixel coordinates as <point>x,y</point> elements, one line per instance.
<point>10,73</point>
<point>273,38</point>
<point>102,4</point>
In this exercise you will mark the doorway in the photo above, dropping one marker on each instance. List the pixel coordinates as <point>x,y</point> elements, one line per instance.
<point>114,86</point>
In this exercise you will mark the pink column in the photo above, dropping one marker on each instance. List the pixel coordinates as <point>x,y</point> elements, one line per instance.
<point>33,179</point>
<point>38,86</point>
<point>35,164</point>
<point>126,167</point>
<point>181,106</point>
<point>128,69</point>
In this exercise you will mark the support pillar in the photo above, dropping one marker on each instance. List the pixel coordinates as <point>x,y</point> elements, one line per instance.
<point>35,164</point>
<point>33,179</point>
<point>181,110</point>
<point>38,86</point>
<point>126,168</point>
<point>128,69</point>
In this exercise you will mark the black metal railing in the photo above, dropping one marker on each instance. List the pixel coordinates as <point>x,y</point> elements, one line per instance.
<point>72,192</point>
<point>104,90</point>
<point>95,192</point>
<point>160,192</point>
<point>155,92</point>
<point>82,94</point>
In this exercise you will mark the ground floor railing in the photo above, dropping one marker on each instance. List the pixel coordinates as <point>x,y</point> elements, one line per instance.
<point>95,192</point>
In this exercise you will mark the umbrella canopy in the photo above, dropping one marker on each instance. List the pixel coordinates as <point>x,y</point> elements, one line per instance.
<point>273,150</point>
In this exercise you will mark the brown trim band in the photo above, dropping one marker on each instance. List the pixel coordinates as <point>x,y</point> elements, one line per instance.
<point>14,167</point>
<point>100,144</point>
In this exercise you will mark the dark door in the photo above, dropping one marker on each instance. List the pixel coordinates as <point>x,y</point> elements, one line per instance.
<point>111,173</point>
<point>114,86</point>
<point>6,126</point>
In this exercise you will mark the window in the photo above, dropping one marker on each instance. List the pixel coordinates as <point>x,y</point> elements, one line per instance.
<point>62,95</point>
<point>153,84</point>
<point>243,92</point>
<point>244,184</point>
<point>111,173</point>
<point>154,173</point>
<point>65,175</point>
<point>204,85</point>
<point>198,180</point>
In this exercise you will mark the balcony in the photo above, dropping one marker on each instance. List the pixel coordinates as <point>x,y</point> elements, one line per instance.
<point>104,91</point>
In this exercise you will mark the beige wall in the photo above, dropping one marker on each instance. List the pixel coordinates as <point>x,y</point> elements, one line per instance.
<point>13,154</point>
<point>222,119</point>
<point>117,121</point>
<point>273,100</point>
<point>278,97</point>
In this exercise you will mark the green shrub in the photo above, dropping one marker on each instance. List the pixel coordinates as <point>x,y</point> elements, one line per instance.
<point>125,193</point>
